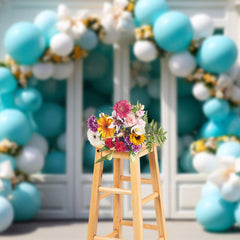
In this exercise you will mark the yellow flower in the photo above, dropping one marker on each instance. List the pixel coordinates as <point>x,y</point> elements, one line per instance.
<point>137,139</point>
<point>200,146</point>
<point>130,7</point>
<point>104,122</point>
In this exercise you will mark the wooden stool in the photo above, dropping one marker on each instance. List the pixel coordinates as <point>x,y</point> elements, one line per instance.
<point>99,192</point>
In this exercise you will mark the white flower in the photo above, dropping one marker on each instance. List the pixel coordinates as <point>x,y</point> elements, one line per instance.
<point>63,11</point>
<point>121,3</point>
<point>94,138</point>
<point>138,129</point>
<point>6,171</point>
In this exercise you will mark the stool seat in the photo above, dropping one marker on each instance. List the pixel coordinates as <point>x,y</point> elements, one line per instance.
<point>100,192</point>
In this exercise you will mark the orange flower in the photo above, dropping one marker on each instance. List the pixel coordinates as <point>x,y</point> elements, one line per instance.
<point>104,122</point>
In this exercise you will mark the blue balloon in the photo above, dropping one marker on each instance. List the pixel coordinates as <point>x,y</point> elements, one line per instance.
<point>217,54</point>
<point>212,129</point>
<point>28,99</point>
<point>147,11</point>
<point>9,158</point>
<point>7,188</point>
<point>144,163</point>
<point>26,201</point>
<point>8,83</point>
<point>237,214</point>
<point>233,125</point>
<point>187,121</point>
<point>24,43</point>
<point>141,95</point>
<point>6,214</point>
<point>15,126</point>
<point>88,159</point>
<point>88,40</point>
<point>106,109</point>
<point>7,101</point>
<point>55,163</point>
<point>46,22</point>
<point>186,162</point>
<point>173,31</point>
<point>184,88</point>
<point>229,149</point>
<point>215,214</point>
<point>50,119</point>
<point>210,189</point>
<point>216,109</point>
<point>154,110</point>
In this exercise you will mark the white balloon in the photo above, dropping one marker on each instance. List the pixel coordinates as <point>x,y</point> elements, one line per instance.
<point>203,26</point>
<point>182,64</point>
<point>43,71</point>
<point>30,160</point>
<point>187,140</point>
<point>39,142</point>
<point>61,142</point>
<point>63,70</point>
<point>224,80</point>
<point>61,44</point>
<point>235,96</point>
<point>200,91</point>
<point>26,69</point>
<point>205,162</point>
<point>153,88</point>
<point>145,51</point>
<point>234,71</point>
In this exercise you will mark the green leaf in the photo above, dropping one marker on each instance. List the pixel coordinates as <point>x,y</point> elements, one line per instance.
<point>107,157</point>
<point>104,148</point>
<point>132,156</point>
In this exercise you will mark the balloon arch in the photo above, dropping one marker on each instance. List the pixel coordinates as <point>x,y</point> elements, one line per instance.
<point>47,49</point>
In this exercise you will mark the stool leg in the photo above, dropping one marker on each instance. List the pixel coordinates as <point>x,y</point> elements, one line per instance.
<point>136,199</point>
<point>95,197</point>
<point>117,198</point>
<point>156,184</point>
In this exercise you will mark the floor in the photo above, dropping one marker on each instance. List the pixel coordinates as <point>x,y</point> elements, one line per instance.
<point>72,230</point>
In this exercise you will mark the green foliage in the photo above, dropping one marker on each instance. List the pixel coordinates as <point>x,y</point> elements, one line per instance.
<point>132,156</point>
<point>107,157</point>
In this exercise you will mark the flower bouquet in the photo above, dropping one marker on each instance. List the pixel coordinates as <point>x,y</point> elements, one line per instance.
<point>126,130</point>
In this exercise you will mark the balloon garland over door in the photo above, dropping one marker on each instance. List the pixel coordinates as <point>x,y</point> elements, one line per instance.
<point>47,48</point>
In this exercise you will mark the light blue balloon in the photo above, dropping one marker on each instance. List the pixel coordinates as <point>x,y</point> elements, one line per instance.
<point>88,40</point>
<point>28,99</point>
<point>210,189</point>
<point>173,31</point>
<point>212,129</point>
<point>147,11</point>
<point>217,54</point>
<point>46,22</point>
<point>141,95</point>
<point>88,159</point>
<point>7,187</point>
<point>9,158</point>
<point>215,214</point>
<point>216,109</point>
<point>184,88</point>
<point>106,109</point>
<point>187,121</point>
<point>24,43</point>
<point>6,214</point>
<point>237,213</point>
<point>233,125</point>
<point>15,126</point>
<point>55,163</point>
<point>186,162</point>
<point>7,101</point>
<point>154,110</point>
<point>50,119</point>
<point>229,149</point>
<point>8,83</point>
<point>26,201</point>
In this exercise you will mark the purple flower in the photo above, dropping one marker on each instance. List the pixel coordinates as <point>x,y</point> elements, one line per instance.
<point>92,124</point>
<point>127,140</point>
<point>126,149</point>
<point>136,148</point>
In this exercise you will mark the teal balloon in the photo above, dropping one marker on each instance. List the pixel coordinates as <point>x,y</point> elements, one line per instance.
<point>5,157</point>
<point>24,43</point>
<point>8,83</point>
<point>89,157</point>
<point>141,95</point>
<point>184,88</point>
<point>189,115</point>
<point>144,163</point>
<point>46,22</point>
<point>55,163</point>
<point>50,119</point>
<point>237,213</point>
<point>7,100</point>
<point>106,109</point>
<point>229,149</point>
<point>28,99</point>
<point>217,54</point>
<point>212,129</point>
<point>7,188</point>
<point>154,110</point>
<point>88,40</point>
<point>216,109</point>
<point>215,214</point>
<point>233,125</point>
<point>26,201</point>
<point>186,162</point>
<point>6,214</point>
<point>173,31</point>
<point>147,11</point>
<point>15,126</point>
<point>210,189</point>
<point>52,90</point>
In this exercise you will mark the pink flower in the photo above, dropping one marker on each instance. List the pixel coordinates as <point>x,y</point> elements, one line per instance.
<point>141,122</point>
<point>130,120</point>
<point>122,108</point>
<point>140,113</point>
